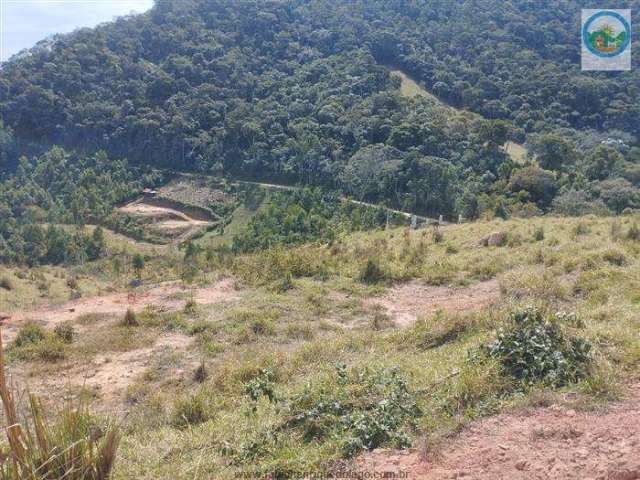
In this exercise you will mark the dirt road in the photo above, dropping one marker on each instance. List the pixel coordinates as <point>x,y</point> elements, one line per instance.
<point>537,444</point>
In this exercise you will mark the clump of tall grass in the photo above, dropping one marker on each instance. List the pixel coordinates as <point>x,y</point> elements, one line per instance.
<point>130,319</point>
<point>190,410</point>
<point>71,448</point>
<point>371,272</point>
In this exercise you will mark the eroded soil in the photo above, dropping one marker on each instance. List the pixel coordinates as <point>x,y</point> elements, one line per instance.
<point>407,302</point>
<point>544,443</point>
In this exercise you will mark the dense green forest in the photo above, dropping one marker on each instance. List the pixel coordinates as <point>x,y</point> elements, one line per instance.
<point>299,91</point>
<point>308,215</point>
<point>61,188</point>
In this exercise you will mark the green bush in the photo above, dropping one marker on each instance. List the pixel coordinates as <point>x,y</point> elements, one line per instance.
<point>49,348</point>
<point>361,409</point>
<point>261,386</point>
<point>532,348</point>
<point>29,333</point>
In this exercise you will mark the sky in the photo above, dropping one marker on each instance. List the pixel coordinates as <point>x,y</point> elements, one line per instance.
<point>25,22</point>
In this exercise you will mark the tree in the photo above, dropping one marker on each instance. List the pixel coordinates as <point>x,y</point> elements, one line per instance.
<point>601,161</point>
<point>618,194</point>
<point>494,133</point>
<point>138,264</point>
<point>552,151</point>
<point>539,184</point>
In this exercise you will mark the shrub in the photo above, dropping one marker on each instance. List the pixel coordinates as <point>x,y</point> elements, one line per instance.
<point>190,411</point>
<point>49,349</point>
<point>436,235</point>
<point>362,409</point>
<point>538,234</point>
<point>261,386</point>
<point>29,333</point>
<point>65,332</point>
<point>533,349</point>
<point>6,283</point>
<point>371,272</point>
<point>73,448</point>
<point>130,319</point>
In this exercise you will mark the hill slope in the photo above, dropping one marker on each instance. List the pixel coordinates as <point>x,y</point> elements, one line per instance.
<point>294,89</point>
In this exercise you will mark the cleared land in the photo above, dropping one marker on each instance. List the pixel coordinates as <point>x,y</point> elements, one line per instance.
<point>555,442</point>
<point>172,224</point>
<point>309,340</point>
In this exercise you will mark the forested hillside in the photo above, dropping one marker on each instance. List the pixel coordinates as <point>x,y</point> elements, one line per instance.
<point>300,92</point>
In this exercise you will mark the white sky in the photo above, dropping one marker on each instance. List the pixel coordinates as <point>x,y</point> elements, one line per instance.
<point>25,22</point>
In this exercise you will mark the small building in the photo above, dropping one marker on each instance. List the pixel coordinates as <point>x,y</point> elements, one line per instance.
<point>149,193</point>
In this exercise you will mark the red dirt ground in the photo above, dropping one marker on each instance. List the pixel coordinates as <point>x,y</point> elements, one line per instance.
<point>536,444</point>
<point>407,302</point>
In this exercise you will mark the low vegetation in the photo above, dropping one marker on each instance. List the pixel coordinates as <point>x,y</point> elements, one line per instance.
<point>72,444</point>
<point>307,361</point>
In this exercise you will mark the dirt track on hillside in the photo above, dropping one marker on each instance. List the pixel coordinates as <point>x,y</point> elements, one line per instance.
<point>544,443</point>
<point>176,224</point>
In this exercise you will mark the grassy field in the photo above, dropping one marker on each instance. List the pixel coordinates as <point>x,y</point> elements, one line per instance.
<point>301,366</point>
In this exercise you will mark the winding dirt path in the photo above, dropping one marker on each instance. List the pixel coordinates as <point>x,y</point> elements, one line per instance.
<point>537,444</point>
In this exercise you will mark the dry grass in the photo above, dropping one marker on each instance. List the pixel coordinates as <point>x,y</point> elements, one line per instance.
<point>73,447</point>
<point>198,426</point>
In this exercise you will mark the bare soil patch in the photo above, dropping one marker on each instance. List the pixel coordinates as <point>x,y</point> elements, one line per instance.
<point>174,224</point>
<point>544,443</point>
<point>406,303</point>
<point>170,296</point>
<point>106,376</point>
